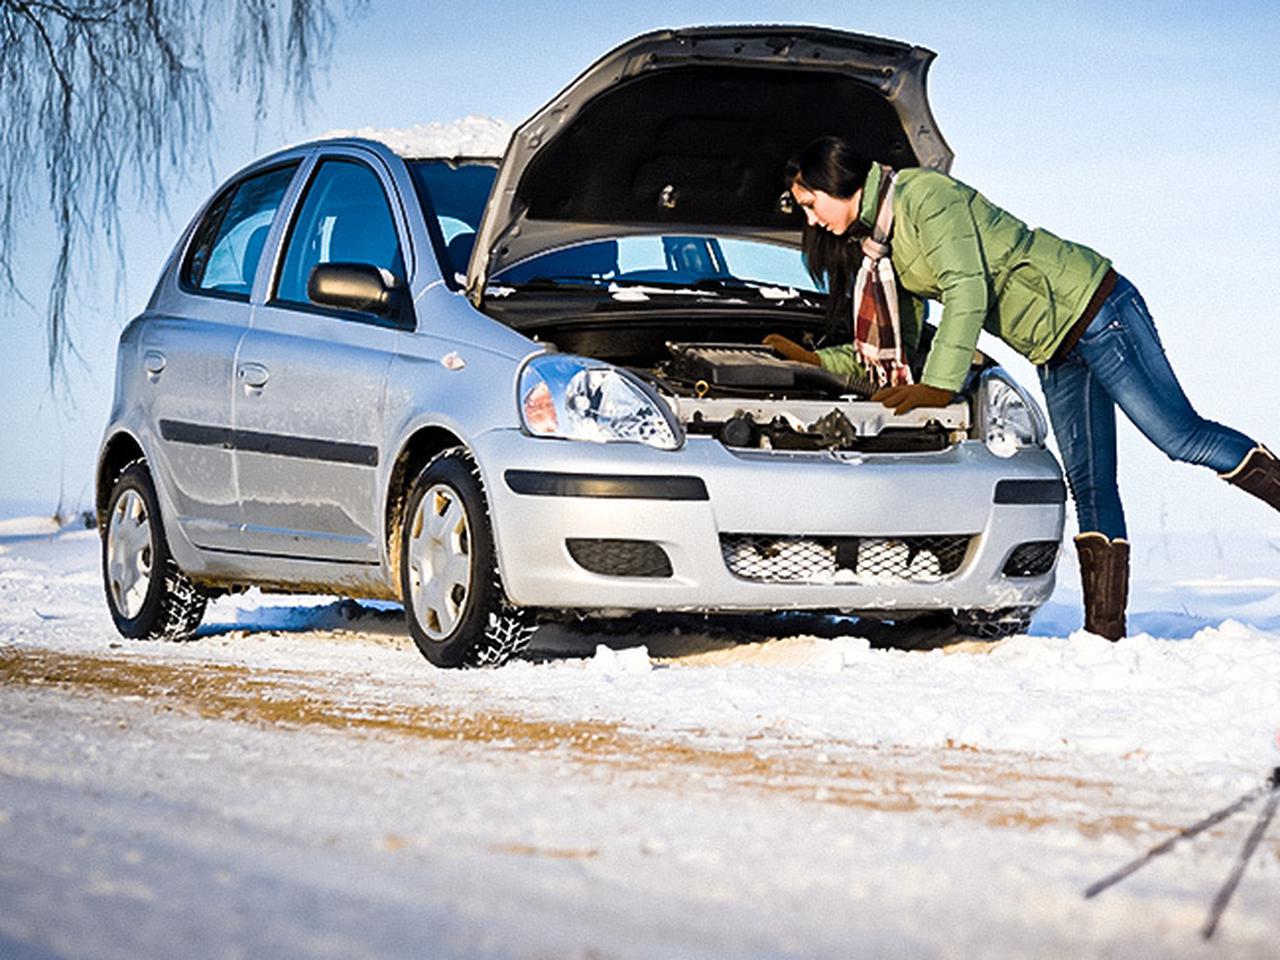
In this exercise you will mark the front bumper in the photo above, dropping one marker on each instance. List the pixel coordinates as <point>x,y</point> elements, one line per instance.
<point>543,493</point>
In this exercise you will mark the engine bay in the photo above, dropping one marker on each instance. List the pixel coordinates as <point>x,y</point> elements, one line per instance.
<point>748,397</point>
<point>711,367</point>
<point>745,368</point>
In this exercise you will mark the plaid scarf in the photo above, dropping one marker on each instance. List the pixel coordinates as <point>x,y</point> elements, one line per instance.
<point>877,331</point>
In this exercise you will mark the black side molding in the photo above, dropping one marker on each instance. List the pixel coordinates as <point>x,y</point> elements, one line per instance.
<point>306,448</point>
<point>276,444</point>
<point>175,431</point>
<point>1031,491</point>
<point>538,483</point>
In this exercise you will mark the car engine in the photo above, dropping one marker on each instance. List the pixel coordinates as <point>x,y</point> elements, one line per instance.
<point>748,397</point>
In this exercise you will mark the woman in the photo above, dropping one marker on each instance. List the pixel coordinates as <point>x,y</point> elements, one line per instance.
<point>873,234</point>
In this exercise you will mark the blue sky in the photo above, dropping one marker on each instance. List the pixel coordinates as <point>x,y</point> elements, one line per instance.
<point>1148,131</point>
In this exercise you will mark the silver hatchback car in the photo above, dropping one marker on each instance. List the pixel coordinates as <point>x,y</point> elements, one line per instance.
<point>503,388</point>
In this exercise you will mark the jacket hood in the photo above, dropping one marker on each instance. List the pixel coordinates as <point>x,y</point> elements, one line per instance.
<point>690,130</point>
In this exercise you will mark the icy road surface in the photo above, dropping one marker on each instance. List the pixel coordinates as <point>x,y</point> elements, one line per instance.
<point>298,782</point>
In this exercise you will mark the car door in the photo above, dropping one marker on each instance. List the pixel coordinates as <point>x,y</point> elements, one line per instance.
<point>311,380</point>
<point>189,352</point>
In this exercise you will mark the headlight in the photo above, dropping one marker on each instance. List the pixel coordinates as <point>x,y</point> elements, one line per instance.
<point>579,399</point>
<point>1011,419</point>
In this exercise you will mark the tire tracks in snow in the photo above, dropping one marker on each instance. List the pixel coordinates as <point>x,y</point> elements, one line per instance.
<point>1000,789</point>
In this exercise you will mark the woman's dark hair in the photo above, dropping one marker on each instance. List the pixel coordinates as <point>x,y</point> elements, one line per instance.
<point>829,164</point>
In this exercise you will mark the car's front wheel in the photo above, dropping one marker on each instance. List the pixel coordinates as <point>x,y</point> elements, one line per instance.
<point>150,598</point>
<point>458,614</point>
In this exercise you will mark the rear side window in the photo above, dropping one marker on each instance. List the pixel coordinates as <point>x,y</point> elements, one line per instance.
<point>344,218</point>
<point>228,243</point>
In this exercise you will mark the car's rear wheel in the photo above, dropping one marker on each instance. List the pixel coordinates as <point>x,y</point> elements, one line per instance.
<point>150,598</point>
<point>457,611</point>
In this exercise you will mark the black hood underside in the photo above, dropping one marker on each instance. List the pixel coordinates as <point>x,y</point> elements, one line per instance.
<point>703,144</point>
<point>689,131</point>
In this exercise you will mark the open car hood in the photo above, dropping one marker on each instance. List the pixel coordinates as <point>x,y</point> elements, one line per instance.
<point>689,130</point>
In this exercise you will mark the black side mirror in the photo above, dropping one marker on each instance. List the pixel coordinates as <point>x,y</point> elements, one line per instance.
<point>356,286</point>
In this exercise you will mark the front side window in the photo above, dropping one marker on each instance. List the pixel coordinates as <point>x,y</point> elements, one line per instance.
<point>228,243</point>
<point>344,218</point>
<point>453,195</point>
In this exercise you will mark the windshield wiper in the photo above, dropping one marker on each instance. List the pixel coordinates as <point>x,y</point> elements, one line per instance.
<point>550,283</point>
<point>733,285</point>
<point>698,287</point>
<point>701,285</point>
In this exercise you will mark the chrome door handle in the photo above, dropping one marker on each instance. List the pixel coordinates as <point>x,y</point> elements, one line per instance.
<point>254,375</point>
<point>153,361</point>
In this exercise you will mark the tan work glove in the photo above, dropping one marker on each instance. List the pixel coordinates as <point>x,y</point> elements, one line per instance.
<point>791,350</point>
<point>912,395</point>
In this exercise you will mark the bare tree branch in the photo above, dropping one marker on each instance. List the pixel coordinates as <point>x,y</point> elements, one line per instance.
<point>96,93</point>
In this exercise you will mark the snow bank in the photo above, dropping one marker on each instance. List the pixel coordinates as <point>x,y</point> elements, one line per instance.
<point>28,527</point>
<point>470,136</point>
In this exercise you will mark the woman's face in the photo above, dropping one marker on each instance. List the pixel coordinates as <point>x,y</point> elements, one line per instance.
<point>823,210</point>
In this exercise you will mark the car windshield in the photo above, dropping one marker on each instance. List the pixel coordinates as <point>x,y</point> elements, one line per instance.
<point>453,196</point>
<point>675,262</point>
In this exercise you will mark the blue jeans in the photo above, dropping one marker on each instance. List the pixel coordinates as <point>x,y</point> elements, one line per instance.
<point>1119,361</point>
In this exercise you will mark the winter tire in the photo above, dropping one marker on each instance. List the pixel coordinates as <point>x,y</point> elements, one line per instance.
<point>994,624</point>
<point>457,611</point>
<point>149,597</point>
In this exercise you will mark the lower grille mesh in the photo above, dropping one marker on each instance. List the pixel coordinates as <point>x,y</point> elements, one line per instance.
<point>1032,559</point>
<point>620,558</point>
<point>773,559</point>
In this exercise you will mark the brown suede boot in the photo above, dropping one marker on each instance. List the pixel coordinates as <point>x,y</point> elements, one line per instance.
<point>1104,574</point>
<point>1258,474</point>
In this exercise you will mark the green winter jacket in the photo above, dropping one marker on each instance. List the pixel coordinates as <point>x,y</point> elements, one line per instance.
<point>989,270</point>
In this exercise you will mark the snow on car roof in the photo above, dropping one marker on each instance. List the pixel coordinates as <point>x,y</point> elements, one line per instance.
<point>469,136</point>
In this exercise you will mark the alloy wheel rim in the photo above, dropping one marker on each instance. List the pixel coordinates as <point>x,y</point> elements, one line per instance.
<point>439,561</point>
<point>129,554</point>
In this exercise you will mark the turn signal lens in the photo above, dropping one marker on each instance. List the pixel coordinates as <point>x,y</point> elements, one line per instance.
<point>540,410</point>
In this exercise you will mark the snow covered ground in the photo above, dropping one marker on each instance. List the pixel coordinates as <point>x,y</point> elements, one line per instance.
<point>299,782</point>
